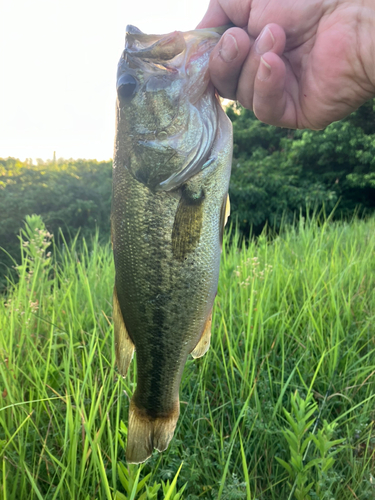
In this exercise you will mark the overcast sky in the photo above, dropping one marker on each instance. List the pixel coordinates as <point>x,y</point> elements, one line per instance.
<point>58,61</point>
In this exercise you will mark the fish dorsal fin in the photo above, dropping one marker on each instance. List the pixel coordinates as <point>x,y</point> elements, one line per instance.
<point>224,214</point>
<point>123,344</point>
<point>227,210</point>
<point>204,343</point>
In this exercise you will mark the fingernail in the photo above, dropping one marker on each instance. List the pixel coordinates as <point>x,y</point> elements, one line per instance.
<point>265,41</point>
<point>229,48</point>
<point>264,70</point>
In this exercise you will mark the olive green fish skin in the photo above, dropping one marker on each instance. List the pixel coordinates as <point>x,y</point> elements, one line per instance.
<point>165,301</point>
<point>166,240</point>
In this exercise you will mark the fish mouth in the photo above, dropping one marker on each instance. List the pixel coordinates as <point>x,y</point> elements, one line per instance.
<point>161,47</point>
<point>164,48</point>
<point>164,56</point>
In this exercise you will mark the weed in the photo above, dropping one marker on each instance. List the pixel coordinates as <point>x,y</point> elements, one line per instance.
<point>294,315</point>
<point>305,471</point>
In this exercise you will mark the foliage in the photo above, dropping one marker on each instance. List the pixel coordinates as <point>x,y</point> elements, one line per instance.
<point>277,172</point>
<point>68,194</point>
<point>301,420</point>
<point>292,314</point>
<point>129,478</point>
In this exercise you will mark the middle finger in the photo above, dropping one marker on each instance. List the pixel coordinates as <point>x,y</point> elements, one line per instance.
<point>271,39</point>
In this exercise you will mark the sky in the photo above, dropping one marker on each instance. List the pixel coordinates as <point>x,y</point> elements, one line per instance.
<point>58,61</point>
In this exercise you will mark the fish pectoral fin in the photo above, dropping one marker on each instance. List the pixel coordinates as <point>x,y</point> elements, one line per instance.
<point>204,343</point>
<point>123,344</point>
<point>187,224</point>
<point>146,433</point>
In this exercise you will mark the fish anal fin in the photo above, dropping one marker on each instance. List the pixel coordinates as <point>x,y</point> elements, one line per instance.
<point>124,346</point>
<point>204,343</point>
<point>146,433</point>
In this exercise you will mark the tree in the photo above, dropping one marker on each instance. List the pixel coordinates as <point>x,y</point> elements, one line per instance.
<point>278,172</point>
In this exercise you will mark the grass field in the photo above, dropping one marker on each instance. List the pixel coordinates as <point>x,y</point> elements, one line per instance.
<point>281,407</point>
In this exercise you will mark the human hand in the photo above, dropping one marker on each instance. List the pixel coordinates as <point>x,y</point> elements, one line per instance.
<point>296,63</point>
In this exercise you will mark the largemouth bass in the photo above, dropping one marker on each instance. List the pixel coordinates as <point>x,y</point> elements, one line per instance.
<point>171,169</point>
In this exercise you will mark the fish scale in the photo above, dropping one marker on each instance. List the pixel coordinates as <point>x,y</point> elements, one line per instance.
<point>167,223</point>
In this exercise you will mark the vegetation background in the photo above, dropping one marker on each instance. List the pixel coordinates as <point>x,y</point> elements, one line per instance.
<point>276,174</point>
<point>281,407</point>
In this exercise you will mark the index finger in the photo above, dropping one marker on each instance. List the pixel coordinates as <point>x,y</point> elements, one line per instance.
<point>220,12</point>
<point>214,16</point>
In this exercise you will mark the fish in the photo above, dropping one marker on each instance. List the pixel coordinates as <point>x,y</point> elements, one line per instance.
<point>171,171</point>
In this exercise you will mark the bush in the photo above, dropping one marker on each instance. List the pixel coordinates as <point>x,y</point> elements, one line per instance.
<point>68,194</point>
<point>278,172</point>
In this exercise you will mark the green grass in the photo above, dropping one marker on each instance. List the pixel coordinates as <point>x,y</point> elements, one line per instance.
<point>293,329</point>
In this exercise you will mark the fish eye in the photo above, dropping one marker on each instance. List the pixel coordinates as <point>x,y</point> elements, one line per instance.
<point>126,86</point>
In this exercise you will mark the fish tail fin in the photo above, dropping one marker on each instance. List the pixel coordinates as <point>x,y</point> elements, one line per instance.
<point>146,433</point>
